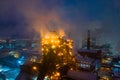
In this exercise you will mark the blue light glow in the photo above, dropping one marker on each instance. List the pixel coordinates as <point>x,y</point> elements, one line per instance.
<point>116,65</point>
<point>19,62</point>
<point>119,62</point>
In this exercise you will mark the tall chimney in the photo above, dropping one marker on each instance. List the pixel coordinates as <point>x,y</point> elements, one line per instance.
<point>88,40</point>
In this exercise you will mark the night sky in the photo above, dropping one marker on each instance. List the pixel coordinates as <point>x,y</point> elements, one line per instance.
<point>25,18</point>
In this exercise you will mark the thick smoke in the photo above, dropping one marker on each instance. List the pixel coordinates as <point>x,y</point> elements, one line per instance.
<point>73,18</point>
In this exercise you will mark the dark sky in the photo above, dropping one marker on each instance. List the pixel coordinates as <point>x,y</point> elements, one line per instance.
<point>23,18</point>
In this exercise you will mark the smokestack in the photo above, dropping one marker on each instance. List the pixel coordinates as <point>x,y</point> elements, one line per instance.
<point>88,40</point>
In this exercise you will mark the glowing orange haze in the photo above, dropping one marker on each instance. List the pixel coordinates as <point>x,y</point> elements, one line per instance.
<point>43,19</point>
<point>44,23</point>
